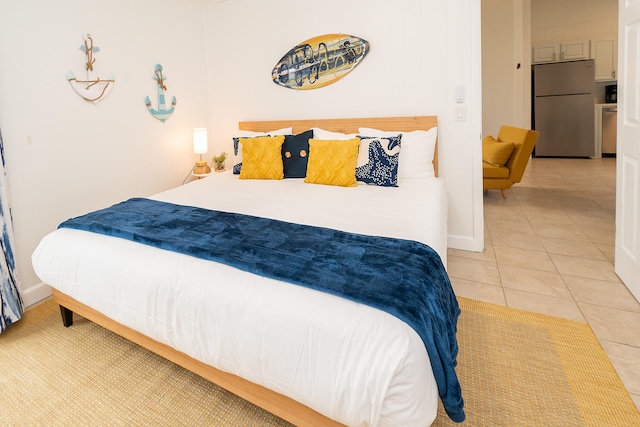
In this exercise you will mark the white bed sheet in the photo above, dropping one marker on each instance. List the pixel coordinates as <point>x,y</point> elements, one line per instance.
<point>353,363</point>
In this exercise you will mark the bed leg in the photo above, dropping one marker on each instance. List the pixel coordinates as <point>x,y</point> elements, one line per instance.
<point>67,316</point>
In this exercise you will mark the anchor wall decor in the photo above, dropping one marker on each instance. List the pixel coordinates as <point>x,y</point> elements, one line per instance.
<point>162,113</point>
<point>94,88</point>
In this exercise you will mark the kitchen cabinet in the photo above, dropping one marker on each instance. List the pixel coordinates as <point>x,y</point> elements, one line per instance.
<point>546,53</point>
<point>572,51</point>
<point>554,52</point>
<point>605,55</point>
<point>603,51</point>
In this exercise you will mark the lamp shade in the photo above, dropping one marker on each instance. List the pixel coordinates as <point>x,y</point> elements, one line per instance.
<point>200,145</point>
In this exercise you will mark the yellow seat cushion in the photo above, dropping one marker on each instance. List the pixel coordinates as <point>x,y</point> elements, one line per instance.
<point>496,153</point>
<point>492,171</point>
<point>262,158</point>
<point>332,162</point>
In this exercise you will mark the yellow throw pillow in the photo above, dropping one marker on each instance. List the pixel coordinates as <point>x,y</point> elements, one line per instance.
<point>496,153</point>
<point>332,162</point>
<point>262,158</point>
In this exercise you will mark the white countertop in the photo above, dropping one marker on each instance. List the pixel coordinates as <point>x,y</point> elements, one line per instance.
<point>611,104</point>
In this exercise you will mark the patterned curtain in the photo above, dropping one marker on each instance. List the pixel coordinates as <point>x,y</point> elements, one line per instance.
<point>12,307</point>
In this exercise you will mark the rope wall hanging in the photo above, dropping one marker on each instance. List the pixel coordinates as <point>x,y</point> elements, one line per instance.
<point>162,113</point>
<point>93,89</point>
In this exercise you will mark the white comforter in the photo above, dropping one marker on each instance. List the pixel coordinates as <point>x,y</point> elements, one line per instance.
<point>355,364</point>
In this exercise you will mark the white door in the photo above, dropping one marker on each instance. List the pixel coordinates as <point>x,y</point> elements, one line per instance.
<point>627,263</point>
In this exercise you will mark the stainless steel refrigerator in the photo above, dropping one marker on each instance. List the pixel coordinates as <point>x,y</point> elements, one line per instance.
<point>563,109</point>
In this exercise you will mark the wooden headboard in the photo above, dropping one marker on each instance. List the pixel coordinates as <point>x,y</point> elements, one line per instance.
<point>402,124</point>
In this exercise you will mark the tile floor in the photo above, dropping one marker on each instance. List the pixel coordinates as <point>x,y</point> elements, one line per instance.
<point>549,248</point>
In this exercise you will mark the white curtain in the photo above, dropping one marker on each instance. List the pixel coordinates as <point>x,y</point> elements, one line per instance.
<point>12,307</point>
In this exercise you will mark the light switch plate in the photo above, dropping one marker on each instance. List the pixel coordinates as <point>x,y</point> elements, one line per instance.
<point>460,113</point>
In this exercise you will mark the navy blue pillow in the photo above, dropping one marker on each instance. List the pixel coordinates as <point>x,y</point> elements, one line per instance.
<point>295,154</point>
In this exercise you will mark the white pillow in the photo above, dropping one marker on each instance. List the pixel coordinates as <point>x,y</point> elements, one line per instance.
<point>416,155</point>
<point>327,134</point>
<point>237,146</point>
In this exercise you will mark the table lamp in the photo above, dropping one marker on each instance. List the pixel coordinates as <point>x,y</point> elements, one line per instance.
<point>200,147</point>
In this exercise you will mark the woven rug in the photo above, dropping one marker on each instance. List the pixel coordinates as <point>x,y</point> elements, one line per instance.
<point>516,369</point>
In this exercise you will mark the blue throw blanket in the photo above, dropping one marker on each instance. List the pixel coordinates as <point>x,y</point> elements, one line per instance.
<point>402,277</point>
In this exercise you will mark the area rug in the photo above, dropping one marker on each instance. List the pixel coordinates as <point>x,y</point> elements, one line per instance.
<point>516,369</point>
<point>519,368</point>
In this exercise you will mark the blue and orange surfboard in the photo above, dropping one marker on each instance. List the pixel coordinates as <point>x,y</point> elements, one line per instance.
<point>319,61</point>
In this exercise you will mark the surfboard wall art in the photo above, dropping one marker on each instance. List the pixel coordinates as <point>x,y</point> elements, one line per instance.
<point>319,61</point>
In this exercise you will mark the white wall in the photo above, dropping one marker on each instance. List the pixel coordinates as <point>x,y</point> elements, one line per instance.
<point>66,156</point>
<point>420,51</point>
<point>506,43</point>
<point>556,21</point>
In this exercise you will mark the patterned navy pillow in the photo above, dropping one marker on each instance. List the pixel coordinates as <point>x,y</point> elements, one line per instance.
<point>378,160</point>
<point>237,152</point>
<point>295,154</point>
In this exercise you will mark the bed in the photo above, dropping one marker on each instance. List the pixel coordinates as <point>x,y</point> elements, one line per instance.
<point>310,357</point>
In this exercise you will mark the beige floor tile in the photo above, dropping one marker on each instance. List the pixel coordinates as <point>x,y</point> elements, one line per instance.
<point>595,220</point>
<point>532,205</point>
<point>565,231</point>
<point>534,260</point>
<point>583,267</point>
<point>520,226</point>
<point>494,197</point>
<point>626,360</point>
<point>559,307</point>
<point>474,270</point>
<point>608,205</point>
<point>487,255</point>
<point>586,219</point>
<point>598,235</point>
<point>609,251</point>
<point>577,248</point>
<point>503,213</point>
<point>539,282</point>
<point>620,326</point>
<point>562,200</point>
<point>598,292</point>
<point>516,240</point>
<point>478,291</point>
<point>552,216</point>
<point>592,187</point>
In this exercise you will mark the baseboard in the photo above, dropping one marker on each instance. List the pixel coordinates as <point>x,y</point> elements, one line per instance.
<point>464,243</point>
<point>35,294</point>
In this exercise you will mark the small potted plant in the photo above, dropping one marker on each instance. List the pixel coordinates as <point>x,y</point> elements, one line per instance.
<point>218,161</point>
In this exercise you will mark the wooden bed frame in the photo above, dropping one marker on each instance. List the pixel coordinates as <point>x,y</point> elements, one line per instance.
<point>276,403</point>
<point>405,124</point>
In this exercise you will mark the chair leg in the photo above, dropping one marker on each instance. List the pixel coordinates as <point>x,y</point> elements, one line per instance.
<point>504,194</point>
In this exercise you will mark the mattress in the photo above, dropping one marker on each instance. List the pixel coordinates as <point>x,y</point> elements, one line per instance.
<point>353,363</point>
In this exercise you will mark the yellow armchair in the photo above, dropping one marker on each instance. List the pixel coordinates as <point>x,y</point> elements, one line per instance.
<point>504,159</point>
